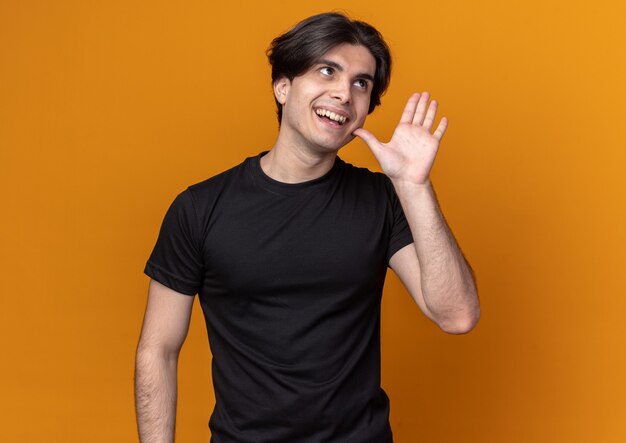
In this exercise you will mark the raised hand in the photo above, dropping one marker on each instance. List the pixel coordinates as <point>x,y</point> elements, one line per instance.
<point>409,156</point>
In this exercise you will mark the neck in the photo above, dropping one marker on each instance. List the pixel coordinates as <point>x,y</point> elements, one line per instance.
<point>289,164</point>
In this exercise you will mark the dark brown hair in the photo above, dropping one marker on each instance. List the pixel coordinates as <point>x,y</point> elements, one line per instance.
<point>295,51</point>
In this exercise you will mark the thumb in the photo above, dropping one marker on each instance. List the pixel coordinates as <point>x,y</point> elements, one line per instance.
<point>369,138</point>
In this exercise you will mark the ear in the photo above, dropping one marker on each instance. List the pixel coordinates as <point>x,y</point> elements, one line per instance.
<point>281,89</point>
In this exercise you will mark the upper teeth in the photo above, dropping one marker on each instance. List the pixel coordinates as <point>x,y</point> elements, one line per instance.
<point>331,115</point>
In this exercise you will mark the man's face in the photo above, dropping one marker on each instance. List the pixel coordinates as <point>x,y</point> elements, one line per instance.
<point>323,106</point>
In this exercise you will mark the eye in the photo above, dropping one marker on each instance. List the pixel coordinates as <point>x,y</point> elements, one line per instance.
<point>362,84</point>
<point>327,70</point>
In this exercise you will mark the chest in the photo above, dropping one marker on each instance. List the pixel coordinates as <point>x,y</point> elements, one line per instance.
<point>265,242</point>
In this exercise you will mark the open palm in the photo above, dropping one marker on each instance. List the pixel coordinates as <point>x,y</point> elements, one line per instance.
<point>410,154</point>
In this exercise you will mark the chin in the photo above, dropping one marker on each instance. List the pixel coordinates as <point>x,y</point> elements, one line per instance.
<point>334,145</point>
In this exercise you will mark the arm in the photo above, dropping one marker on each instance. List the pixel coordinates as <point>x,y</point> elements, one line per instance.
<point>433,269</point>
<point>164,330</point>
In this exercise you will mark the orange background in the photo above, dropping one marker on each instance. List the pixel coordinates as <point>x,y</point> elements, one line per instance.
<point>109,109</point>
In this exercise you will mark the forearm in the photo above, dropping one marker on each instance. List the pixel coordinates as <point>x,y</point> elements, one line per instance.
<point>447,282</point>
<point>155,395</point>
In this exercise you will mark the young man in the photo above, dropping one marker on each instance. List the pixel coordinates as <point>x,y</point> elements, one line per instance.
<point>288,252</point>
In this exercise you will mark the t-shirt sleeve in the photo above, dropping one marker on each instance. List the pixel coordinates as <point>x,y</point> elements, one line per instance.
<point>176,260</point>
<point>400,231</point>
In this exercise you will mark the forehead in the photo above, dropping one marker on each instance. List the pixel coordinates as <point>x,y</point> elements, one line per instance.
<point>352,58</point>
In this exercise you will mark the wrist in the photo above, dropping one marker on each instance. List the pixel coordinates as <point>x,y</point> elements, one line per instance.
<point>402,186</point>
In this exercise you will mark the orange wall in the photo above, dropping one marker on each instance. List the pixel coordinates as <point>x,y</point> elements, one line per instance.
<point>109,109</point>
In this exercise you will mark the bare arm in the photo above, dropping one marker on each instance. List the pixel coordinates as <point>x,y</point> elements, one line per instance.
<point>164,330</point>
<point>433,269</point>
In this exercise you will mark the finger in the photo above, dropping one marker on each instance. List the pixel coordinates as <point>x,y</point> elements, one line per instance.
<point>441,129</point>
<point>409,109</point>
<point>418,118</point>
<point>430,115</point>
<point>370,140</point>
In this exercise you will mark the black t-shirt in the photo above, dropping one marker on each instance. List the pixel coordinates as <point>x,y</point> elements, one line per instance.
<point>290,279</point>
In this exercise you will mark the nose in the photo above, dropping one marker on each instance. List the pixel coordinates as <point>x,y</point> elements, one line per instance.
<point>341,92</point>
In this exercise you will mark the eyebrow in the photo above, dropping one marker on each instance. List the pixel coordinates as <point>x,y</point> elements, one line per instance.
<point>338,67</point>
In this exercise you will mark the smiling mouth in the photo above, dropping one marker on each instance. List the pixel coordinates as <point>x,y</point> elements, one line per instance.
<point>331,116</point>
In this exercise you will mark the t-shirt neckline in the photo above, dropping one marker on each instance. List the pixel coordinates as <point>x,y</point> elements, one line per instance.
<point>278,187</point>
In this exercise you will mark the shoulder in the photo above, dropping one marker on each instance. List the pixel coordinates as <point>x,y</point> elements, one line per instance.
<point>361,172</point>
<point>366,179</point>
<point>199,200</point>
<point>210,184</point>
<point>210,188</point>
